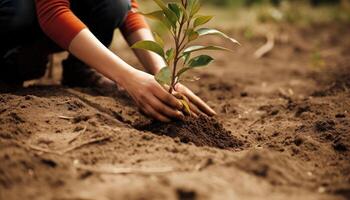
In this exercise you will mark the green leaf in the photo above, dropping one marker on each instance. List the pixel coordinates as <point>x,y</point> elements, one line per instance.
<point>150,46</point>
<point>156,15</point>
<point>201,20</point>
<point>158,39</point>
<point>164,76</point>
<point>186,57</point>
<point>184,12</point>
<point>181,71</point>
<point>200,61</point>
<point>209,31</point>
<point>168,13</point>
<point>170,55</point>
<point>159,16</point>
<point>192,35</point>
<point>187,52</point>
<point>176,9</point>
<point>161,4</point>
<point>200,48</point>
<point>171,17</point>
<point>194,7</point>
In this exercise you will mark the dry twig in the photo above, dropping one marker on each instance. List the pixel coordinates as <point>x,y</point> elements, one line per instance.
<point>124,170</point>
<point>69,149</point>
<point>94,140</point>
<point>76,137</point>
<point>255,122</point>
<point>266,48</point>
<point>64,102</point>
<point>65,117</point>
<point>37,148</point>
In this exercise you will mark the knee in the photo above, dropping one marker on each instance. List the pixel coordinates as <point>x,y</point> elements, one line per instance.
<point>119,10</point>
<point>112,12</point>
<point>102,16</point>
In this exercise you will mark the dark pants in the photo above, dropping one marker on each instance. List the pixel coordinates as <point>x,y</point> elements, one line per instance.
<point>24,48</point>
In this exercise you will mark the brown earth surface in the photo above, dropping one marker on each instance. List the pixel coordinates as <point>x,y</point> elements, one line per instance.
<point>282,131</point>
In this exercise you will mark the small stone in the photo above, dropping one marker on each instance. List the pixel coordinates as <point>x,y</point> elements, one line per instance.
<point>321,190</point>
<point>244,94</point>
<point>340,116</point>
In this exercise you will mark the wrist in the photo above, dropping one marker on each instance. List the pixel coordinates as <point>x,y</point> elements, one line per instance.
<point>124,75</point>
<point>123,78</point>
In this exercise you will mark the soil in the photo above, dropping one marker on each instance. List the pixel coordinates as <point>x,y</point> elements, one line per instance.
<point>282,130</point>
<point>201,131</point>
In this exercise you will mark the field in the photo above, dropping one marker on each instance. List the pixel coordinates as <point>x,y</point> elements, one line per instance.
<point>282,130</point>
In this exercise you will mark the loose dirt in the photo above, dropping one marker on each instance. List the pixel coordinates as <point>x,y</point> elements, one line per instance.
<point>201,131</point>
<point>282,130</point>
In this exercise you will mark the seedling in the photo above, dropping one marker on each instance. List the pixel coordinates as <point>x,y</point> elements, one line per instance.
<point>185,26</point>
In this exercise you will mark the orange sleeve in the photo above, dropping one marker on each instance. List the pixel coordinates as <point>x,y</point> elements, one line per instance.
<point>61,25</point>
<point>133,21</point>
<point>58,21</point>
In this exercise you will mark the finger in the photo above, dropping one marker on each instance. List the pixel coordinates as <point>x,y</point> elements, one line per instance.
<point>164,109</point>
<point>154,114</point>
<point>167,98</point>
<point>193,109</point>
<point>198,102</point>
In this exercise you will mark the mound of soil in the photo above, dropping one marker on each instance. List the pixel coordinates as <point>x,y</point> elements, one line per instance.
<point>201,131</point>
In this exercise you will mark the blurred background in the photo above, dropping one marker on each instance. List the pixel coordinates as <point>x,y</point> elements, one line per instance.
<point>274,2</point>
<point>267,23</point>
<point>262,11</point>
<point>261,25</point>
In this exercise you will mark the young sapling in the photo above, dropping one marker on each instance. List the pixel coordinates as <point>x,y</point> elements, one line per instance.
<point>184,24</point>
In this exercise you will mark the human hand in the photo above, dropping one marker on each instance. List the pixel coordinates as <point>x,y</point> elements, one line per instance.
<point>151,97</point>
<point>197,105</point>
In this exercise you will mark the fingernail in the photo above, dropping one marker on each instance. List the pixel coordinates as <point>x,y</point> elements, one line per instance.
<point>213,112</point>
<point>194,115</point>
<point>181,115</point>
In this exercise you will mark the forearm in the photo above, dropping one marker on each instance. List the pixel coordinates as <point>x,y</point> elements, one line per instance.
<point>90,50</point>
<point>150,61</point>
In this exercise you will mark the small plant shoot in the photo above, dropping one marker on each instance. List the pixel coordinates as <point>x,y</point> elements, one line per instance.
<point>184,24</point>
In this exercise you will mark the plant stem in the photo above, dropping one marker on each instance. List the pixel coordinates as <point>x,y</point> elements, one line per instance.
<point>184,37</point>
<point>176,60</point>
<point>178,47</point>
<point>177,53</point>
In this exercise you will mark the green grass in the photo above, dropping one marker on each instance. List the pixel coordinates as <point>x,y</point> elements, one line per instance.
<point>294,13</point>
<point>252,19</point>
